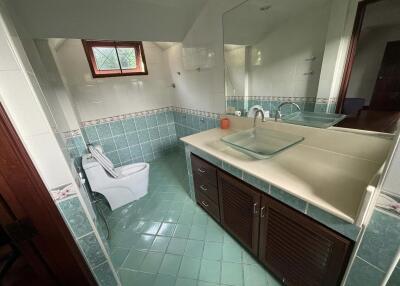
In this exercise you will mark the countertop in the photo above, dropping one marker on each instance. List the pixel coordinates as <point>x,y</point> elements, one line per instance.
<point>320,175</point>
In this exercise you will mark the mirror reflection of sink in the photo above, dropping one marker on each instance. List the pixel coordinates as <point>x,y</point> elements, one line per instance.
<point>313,119</point>
<point>261,143</point>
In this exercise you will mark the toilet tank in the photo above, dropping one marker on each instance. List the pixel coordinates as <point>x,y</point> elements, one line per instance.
<point>95,173</point>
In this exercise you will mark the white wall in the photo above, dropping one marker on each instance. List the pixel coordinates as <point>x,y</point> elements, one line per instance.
<point>203,89</point>
<point>21,96</point>
<point>369,55</point>
<point>235,71</point>
<point>279,61</point>
<point>104,97</point>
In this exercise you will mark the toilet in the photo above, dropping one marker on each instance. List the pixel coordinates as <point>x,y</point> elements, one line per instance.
<point>121,185</point>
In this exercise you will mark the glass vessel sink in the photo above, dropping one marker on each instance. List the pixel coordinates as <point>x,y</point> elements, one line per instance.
<point>313,119</point>
<point>261,143</point>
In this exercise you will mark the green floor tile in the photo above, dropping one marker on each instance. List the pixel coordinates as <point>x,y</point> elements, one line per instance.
<point>167,229</point>
<point>160,244</point>
<point>172,216</point>
<point>212,251</point>
<point>177,245</point>
<point>164,280</point>
<point>210,271</point>
<point>232,274</point>
<point>151,263</point>
<point>129,277</point>
<point>170,264</point>
<point>185,282</point>
<point>214,234</point>
<point>182,231</point>
<point>118,256</point>
<point>134,259</point>
<point>189,268</point>
<point>151,227</point>
<point>174,242</point>
<point>197,232</point>
<point>144,242</point>
<point>231,252</point>
<point>194,248</point>
<point>203,283</point>
<point>254,275</point>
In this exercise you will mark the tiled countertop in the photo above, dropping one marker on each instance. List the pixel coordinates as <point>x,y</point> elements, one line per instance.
<point>332,181</point>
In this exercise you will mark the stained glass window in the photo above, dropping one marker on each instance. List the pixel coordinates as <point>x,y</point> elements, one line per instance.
<point>109,58</point>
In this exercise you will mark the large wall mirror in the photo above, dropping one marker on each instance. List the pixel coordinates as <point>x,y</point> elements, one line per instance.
<point>282,51</point>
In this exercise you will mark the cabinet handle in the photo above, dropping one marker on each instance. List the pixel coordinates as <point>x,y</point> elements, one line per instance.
<point>255,210</point>
<point>262,214</point>
<point>204,204</point>
<point>201,170</point>
<point>203,188</point>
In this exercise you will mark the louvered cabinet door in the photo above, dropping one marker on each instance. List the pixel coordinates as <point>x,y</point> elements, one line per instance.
<point>299,250</point>
<point>239,209</point>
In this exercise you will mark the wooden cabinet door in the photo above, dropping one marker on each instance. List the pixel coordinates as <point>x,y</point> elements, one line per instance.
<point>299,250</point>
<point>239,210</point>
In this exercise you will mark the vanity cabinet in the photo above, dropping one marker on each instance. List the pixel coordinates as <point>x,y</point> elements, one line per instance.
<point>239,210</point>
<point>299,250</point>
<point>295,248</point>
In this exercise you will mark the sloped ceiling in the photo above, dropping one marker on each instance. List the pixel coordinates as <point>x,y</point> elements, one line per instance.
<point>249,22</point>
<point>146,20</point>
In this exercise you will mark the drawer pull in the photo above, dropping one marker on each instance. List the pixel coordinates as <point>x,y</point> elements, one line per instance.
<point>262,214</point>
<point>204,204</point>
<point>255,210</point>
<point>201,170</point>
<point>203,188</point>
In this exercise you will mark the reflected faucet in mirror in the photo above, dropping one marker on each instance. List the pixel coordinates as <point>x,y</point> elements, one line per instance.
<point>278,112</point>
<point>259,111</point>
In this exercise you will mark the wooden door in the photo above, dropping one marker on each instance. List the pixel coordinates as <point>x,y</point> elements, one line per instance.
<point>299,250</point>
<point>239,210</point>
<point>386,94</point>
<point>31,218</point>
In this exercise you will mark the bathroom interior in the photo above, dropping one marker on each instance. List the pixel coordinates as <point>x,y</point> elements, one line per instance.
<point>202,142</point>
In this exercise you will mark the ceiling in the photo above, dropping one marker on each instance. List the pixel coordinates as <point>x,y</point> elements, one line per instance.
<point>382,14</point>
<point>146,20</point>
<point>249,22</point>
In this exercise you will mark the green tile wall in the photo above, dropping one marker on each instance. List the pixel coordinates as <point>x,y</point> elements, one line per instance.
<point>377,251</point>
<point>135,139</point>
<point>271,104</point>
<point>78,223</point>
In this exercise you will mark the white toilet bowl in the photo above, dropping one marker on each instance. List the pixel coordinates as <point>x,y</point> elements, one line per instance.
<point>131,183</point>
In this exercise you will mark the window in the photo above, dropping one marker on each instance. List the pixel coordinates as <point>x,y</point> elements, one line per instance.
<point>110,58</point>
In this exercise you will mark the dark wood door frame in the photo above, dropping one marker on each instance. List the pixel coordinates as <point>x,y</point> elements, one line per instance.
<point>355,36</point>
<point>26,198</point>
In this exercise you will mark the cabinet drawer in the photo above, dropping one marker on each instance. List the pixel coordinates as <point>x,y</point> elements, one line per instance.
<point>204,170</point>
<point>209,206</point>
<point>203,186</point>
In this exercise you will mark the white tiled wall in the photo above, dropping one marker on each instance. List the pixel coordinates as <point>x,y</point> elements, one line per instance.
<point>104,97</point>
<point>18,96</point>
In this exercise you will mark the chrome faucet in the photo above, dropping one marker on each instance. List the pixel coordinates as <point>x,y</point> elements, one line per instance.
<point>255,116</point>
<point>278,110</point>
